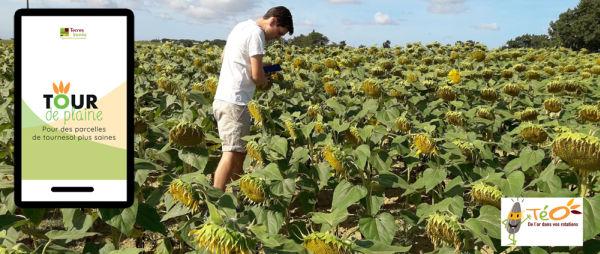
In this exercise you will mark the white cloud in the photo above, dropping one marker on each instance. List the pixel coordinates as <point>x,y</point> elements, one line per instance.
<point>308,23</point>
<point>187,10</point>
<point>210,10</point>
<point>446,6</point>
<point>343,1</point>
<point>490,26</point>
<point>383,19</point>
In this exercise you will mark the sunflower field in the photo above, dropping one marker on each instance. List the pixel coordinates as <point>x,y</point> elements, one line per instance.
<point>353,150</point>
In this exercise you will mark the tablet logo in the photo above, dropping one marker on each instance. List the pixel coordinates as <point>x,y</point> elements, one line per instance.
<point>72,33</point>
<point>62,101</point>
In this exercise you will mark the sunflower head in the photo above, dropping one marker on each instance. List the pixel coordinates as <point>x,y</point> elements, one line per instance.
<point>291,128</point>
<point>334,157</point>
<point>139,125</point>
<point>478,55</point>
<point>489,94</point>
<point>580,151</point>
<point>424,144</point>
<point>319,127</point>
<point>402,124</point>
<point>325,243</point>
<point>411,77</point>
<point>446,93</point>
<point>330,88</point>
<point>255,112</point>
<point>185,194</point>
<point>512,89</point>
<point>211,85</point>
<point>520,67</point>
<point>313,110</point>
<point>443,229</point>
<point>486,194</point>
<point>555,87</point>
<point>454,118</point>
<point>528,114</point>
<point>386,64</point>
<point>572,86</point>
<point>371,88</point>
<point>255,152</point>
<point>553,105</point>
<point>299,63</point>
<point>253,188</point>
<point>167,85</point>
<point>533,75</point>
<point>377,71</point>
<point>534,133</point>
<point>589,113</point>
<point>186,134</point>
<point>330,63</point>
<point>454,76</point>
<point>487,74</point>
<point>485,113</point>
<point>218,239</point>
<point>508,73</point>
<point>466,148</point>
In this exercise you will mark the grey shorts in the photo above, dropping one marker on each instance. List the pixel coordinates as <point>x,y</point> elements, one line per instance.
<point>233,123</point>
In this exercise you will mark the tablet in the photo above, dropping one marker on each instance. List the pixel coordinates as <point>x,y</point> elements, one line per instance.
<point>73,107</point>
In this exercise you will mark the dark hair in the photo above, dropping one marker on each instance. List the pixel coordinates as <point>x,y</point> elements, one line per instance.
<point>283,17</point>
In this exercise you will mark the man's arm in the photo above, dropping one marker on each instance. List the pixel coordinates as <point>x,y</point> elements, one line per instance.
<point>258,74</point>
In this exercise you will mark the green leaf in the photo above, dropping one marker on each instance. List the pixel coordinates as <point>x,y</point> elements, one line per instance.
<point>591,217</point>
<point>68,235</point>
<point>362,154</point>
<point>330,220</point>
<point>148,218</point>
<point>300,155</point>
<point>513,185</point>
<point>215,216</point>
<point>346,194</point>
<point>431,177</point>
<point>336,106</point>
<point>376,247</point>
<point>324,174</point>
<point>198,158</point>
<point>164,247</point>
<point>381,228</point>
<point>273,220</point>
<point>75,219</point>
<point>270,172</point>
<point>279,145</point>
<point>529,158</point>
<point>127,251</point>
<point>478,231</point>
<point>35,215</point>
<point>454,205</point>
<point>121,219</point>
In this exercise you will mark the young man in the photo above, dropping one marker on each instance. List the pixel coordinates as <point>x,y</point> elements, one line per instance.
<point>241,73</point>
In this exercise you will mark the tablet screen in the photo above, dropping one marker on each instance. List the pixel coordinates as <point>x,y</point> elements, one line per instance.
<point>73,108</point>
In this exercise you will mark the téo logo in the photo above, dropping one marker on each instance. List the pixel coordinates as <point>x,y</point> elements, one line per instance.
<point>61,100</point>
<point>542,222</point>
<point>72,33</point>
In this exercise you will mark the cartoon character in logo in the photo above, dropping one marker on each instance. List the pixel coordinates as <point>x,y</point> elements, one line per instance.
<point>513,222</point>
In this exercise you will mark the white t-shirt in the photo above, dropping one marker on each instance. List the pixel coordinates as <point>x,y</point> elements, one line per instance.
<point>235,80</point>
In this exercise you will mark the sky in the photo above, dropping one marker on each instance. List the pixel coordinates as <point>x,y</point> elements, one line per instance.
<point>358,22</point>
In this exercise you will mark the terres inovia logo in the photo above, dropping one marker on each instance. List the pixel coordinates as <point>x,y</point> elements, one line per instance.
<point>62,101</point>
<point>542,222</point>
<point>72,33</point>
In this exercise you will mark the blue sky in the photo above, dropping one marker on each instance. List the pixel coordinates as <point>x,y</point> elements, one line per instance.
<point>366,22</point>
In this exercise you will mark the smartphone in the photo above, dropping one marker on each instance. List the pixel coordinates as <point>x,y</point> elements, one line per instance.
<point>73,107</point>
<point>272,68</point>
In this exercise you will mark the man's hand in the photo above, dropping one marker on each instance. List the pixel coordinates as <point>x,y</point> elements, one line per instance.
<point>258,74</point>
<point>268,85</point>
